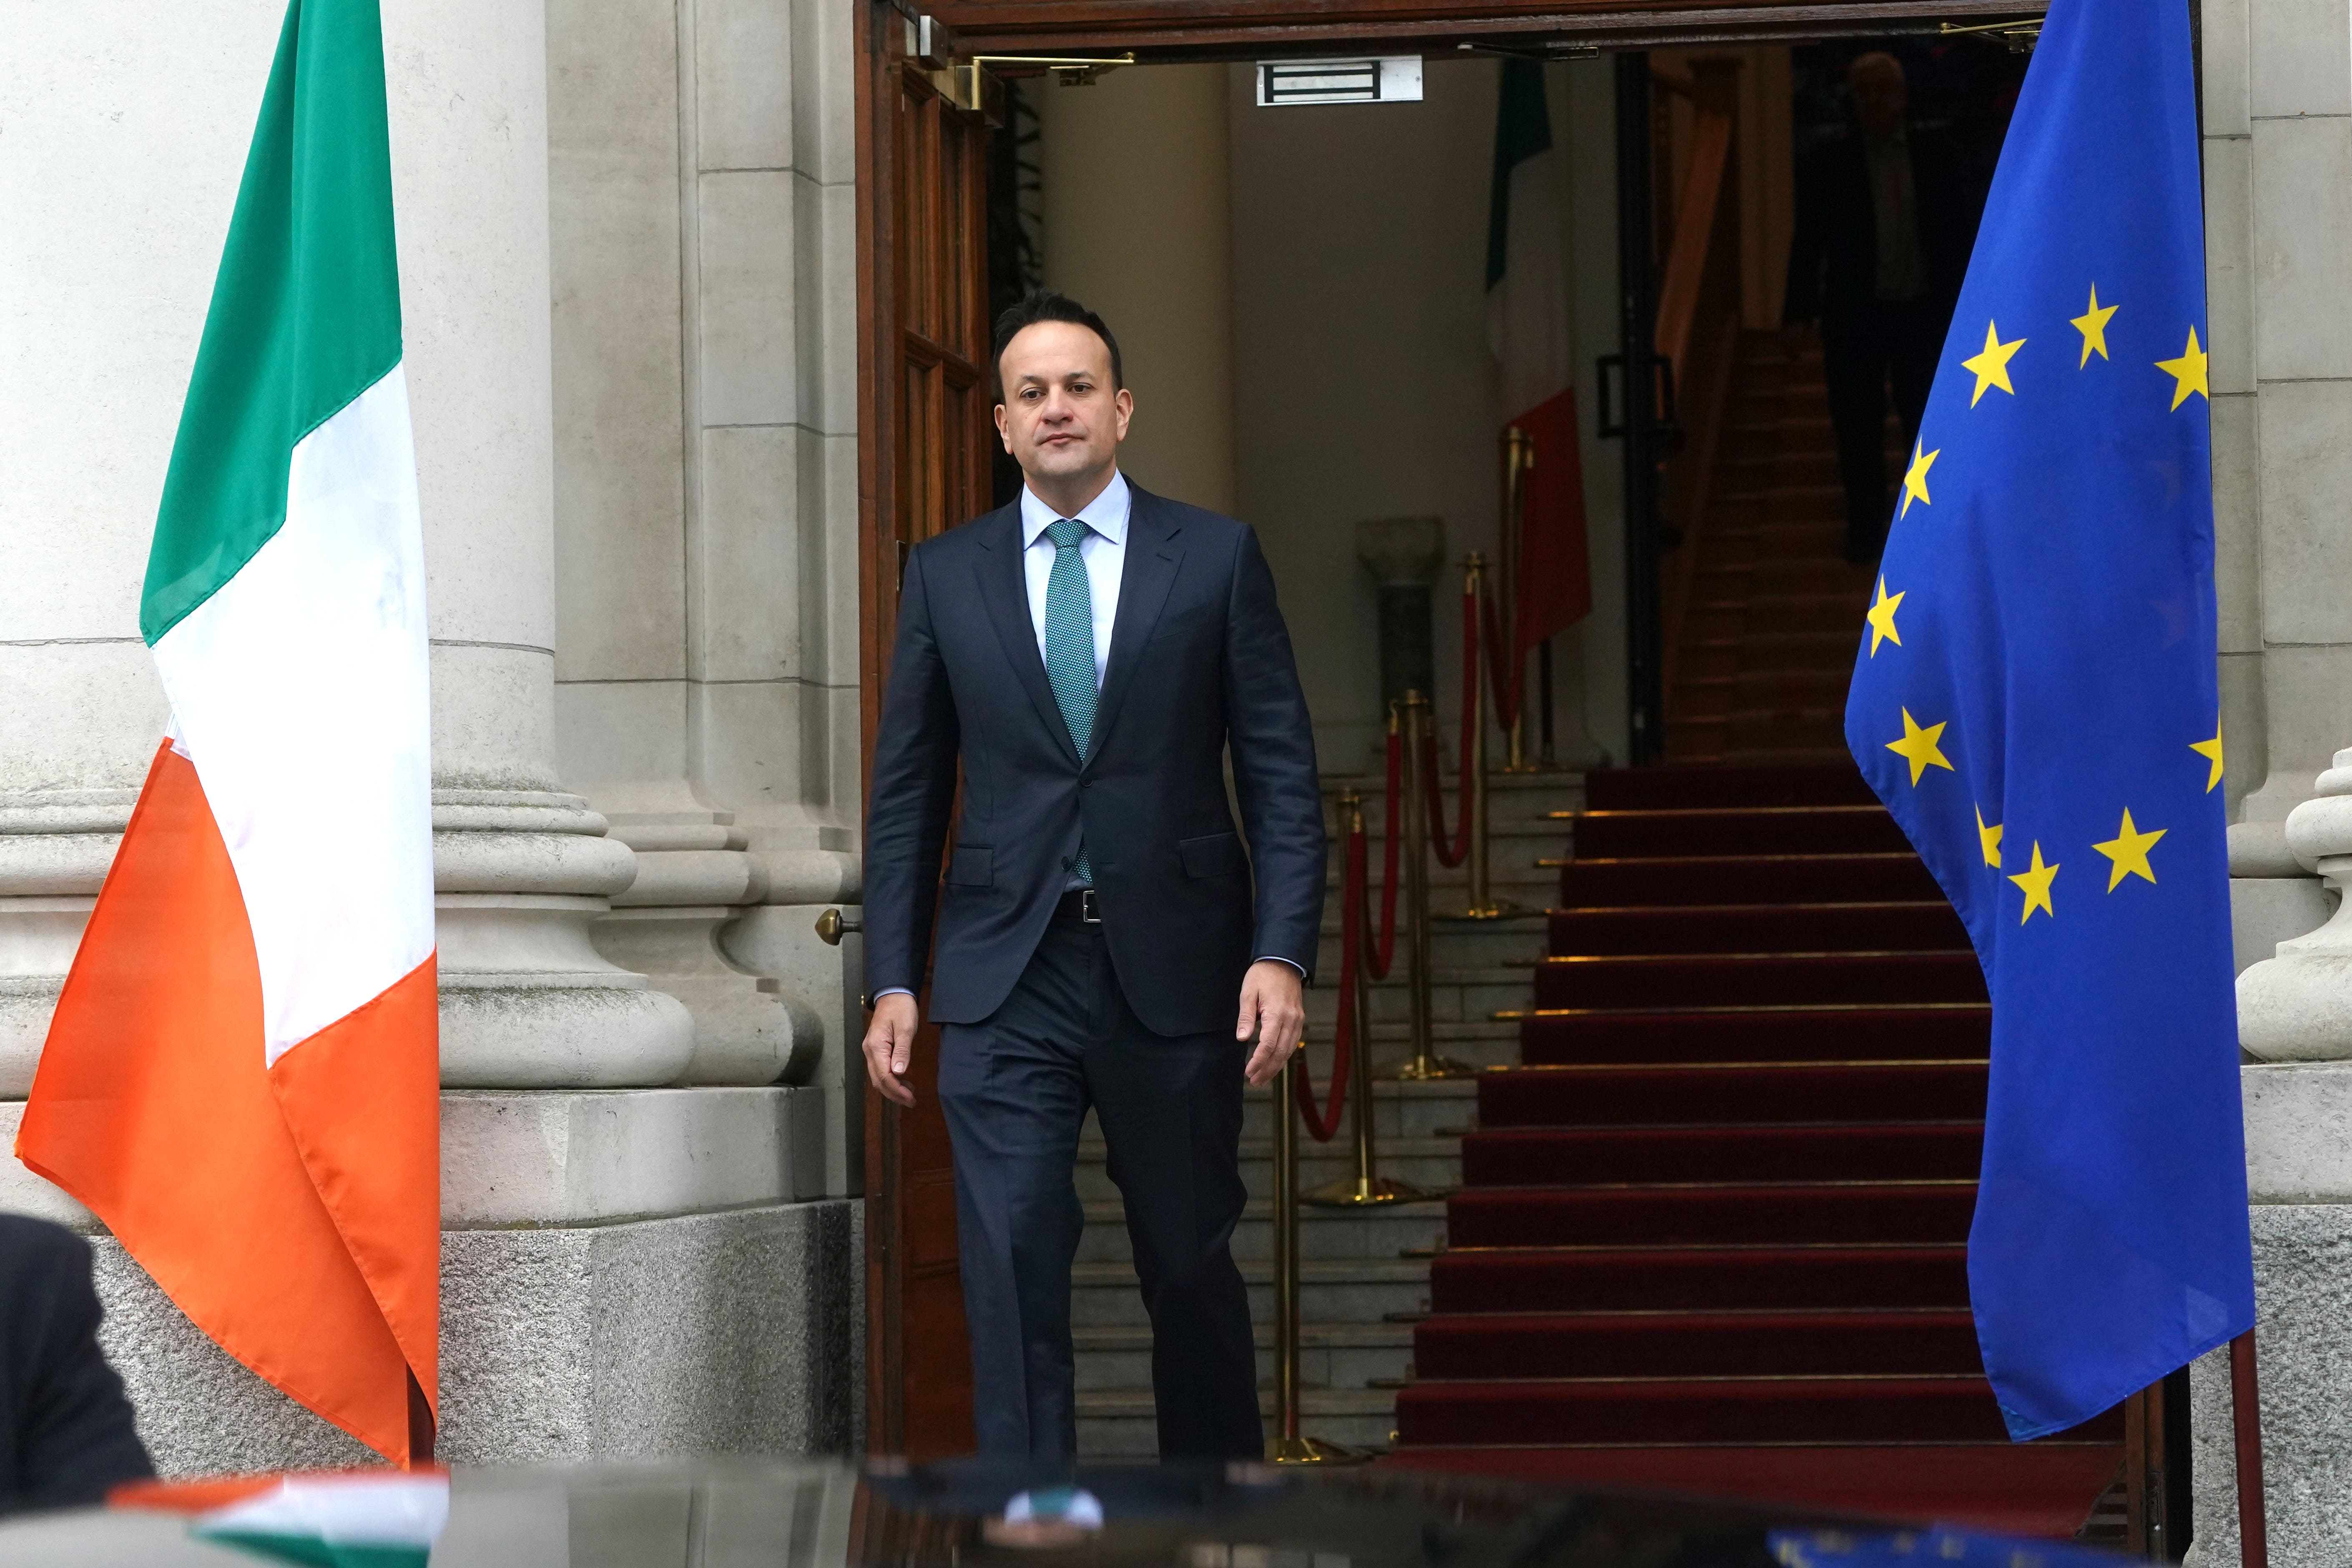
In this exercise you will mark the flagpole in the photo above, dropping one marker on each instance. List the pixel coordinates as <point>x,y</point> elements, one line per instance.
<point>2246,1418</point>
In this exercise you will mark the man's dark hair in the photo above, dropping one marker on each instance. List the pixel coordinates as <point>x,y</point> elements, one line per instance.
<point>1048,305</point>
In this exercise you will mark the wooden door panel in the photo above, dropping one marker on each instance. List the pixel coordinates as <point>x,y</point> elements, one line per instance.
<point>922,466</point>
<point>1172,30</point>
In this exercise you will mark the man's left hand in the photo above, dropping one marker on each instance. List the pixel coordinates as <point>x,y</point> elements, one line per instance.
<point>1274,1009</point>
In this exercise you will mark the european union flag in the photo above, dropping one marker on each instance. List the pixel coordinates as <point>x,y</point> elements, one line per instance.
<point>2035,699</point>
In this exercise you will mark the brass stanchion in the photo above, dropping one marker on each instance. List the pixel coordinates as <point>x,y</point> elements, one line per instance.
<point>1425,1063</point>
<point>1484,905</point>
<point>1518,458</point>
<point>1286,1446</point>
<point>1367,1188</point>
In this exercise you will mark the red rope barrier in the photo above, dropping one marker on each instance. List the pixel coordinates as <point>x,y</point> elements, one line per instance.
<point>1451,847</point>
<point>1382,949</point>
<point>1507,670</point>
<point>1325,1122</point>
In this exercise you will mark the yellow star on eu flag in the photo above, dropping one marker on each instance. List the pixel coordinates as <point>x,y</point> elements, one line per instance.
<point>2188,372</point>
<point>1988,839</point>
<point>2128,849</point>
<point>1915,482</point>
<point>2212,751</point>
<point>1918,746</point>
<point>1881,616</point>
<point>2093,325</point>
<point>1991,367</point>
<point>2036,879</point>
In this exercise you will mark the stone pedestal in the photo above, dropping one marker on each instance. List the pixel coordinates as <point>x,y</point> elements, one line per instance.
<point>1404,556</point>
<point>622,1272</point>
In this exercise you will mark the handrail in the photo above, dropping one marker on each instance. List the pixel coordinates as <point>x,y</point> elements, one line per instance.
<point>1697,334</point>
<point>1694,222</point>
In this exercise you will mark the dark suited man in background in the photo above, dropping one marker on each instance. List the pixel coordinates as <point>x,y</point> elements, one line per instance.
<point>1091,655</point>
<point>66,1432</point>
<point>1886,212</point>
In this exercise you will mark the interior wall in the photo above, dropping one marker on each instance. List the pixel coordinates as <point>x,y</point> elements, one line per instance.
<point>1136,222</point>
<point>1365,387</point>
<point>1300,294</point>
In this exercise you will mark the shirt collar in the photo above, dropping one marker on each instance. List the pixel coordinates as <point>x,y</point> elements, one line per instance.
<point>1105,514</point>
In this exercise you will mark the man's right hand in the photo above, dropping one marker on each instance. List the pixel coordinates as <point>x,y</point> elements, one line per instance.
<point>891,1047</point>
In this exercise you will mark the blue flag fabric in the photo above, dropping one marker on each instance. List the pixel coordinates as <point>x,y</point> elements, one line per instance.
<point>2035,699</point>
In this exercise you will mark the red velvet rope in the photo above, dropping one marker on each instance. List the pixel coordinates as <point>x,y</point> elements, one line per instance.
<point>1382,951</point>
<point>1450,848</point>
<point>1324,1123</point>
<point>1505,671</point>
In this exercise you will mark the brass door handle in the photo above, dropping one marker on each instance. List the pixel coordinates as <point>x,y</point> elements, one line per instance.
<point>832,923</point>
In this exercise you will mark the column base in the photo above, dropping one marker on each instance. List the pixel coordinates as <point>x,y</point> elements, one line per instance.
<point>623,1273</point>
<point>734,1332</point>
<point>2303,1279</point>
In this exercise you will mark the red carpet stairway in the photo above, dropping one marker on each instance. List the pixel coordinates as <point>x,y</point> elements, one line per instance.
<point>1711,1234</point>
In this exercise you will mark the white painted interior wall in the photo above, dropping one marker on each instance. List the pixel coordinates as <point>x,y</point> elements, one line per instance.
<point>1138,226</point>
<point>1350,321</point>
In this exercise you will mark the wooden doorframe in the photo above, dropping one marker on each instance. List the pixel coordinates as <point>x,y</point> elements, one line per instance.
<point>1161,31</point>
<point>1164,31</point>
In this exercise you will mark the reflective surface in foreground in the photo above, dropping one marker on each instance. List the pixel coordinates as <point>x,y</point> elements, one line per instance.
<point>735,1513</point>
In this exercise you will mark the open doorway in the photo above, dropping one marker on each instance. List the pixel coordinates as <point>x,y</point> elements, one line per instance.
<point>1301,294</point>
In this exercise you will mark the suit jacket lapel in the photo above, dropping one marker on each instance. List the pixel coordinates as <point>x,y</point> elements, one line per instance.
<point>1004,589</point>
<point>1152,554</point>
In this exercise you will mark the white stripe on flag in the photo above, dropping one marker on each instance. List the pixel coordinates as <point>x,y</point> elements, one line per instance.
<point>300,692</point>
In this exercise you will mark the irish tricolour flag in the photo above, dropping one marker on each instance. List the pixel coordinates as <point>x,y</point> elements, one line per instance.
<point>240,1080</point>
<point>1533,338</point>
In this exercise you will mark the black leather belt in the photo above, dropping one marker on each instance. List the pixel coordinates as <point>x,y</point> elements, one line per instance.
<point>1078,904</point>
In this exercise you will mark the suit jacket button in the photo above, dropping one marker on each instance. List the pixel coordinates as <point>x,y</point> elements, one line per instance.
<point>1085,783</point>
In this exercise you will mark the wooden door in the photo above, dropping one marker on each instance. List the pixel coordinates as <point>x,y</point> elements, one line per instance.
<point>924,402</point>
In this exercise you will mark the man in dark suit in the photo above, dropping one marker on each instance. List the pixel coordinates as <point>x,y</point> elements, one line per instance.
<point>65,1435</point>
<point>1887,212</point>
<point>1091,655</point>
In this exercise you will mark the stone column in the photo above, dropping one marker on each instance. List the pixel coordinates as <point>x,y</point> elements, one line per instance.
<point>622,1272</point>
<point>2278,155</point>
<point>705,497</point>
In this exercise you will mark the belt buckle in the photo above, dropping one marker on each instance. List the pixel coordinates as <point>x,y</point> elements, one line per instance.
<point>1087,912</point>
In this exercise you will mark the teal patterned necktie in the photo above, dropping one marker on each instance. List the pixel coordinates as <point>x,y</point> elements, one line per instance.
<point>1070,647</point>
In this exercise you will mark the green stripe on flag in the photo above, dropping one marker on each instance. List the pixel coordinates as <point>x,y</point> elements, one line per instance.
<point>1522,129</point>
<point>305,313</point>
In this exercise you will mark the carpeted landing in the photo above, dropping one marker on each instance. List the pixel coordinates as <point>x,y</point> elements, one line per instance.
<point>1712,1231</point>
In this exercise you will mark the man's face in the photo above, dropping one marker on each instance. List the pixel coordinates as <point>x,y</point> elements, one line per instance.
<point>1880,95</point>
<point>1060,417</point>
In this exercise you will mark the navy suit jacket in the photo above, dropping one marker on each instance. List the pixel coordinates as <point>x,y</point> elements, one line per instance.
<point>1200,661</point>
<point>66,1432</point>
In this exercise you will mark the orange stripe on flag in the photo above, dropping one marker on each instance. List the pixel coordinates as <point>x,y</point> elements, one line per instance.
<point>363,1099</point>
<point>151,1106</point>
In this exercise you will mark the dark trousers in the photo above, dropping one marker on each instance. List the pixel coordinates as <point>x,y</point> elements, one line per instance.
<point>1867,346</point>
<point>1016,1089</point>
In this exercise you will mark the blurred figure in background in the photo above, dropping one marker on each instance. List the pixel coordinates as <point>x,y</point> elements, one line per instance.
<point>1887,212</point>
<point>65,1434</point>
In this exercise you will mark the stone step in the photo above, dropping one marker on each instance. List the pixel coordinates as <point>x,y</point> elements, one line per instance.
<point>1509,805</point>
<point>1433,1163</point>
<point>1331,1290</point>
<point>1455,943</point>
<point>1399,1110</point>
<point>1325,1235</point>
<point>1120,1425</point>
<point>1455,995</point>
<point>1331,1355</point>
